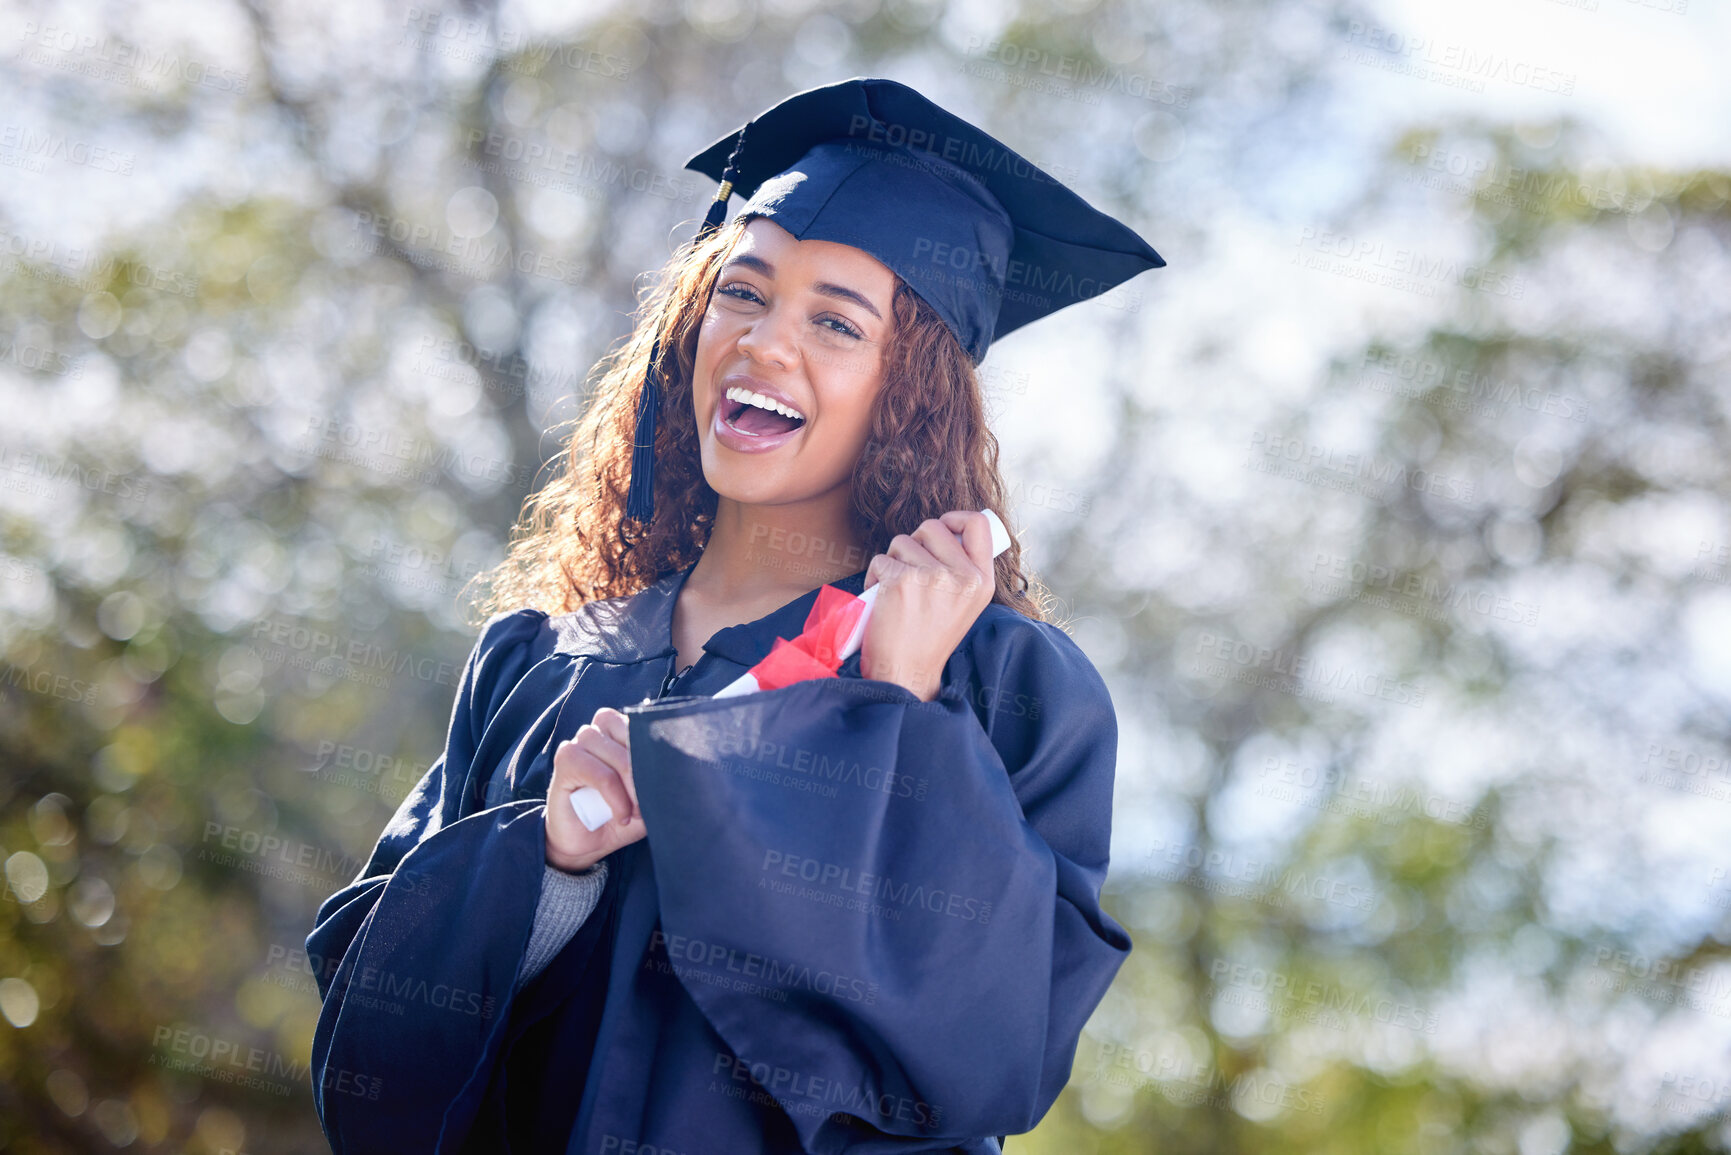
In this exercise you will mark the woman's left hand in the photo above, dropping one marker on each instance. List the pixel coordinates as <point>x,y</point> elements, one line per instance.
<point>934,586</point>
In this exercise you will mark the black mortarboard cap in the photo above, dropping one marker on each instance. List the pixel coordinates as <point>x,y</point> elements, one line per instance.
<point>982,234</point>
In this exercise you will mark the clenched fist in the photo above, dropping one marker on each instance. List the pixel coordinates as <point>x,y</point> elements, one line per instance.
<point>936,581</point>
<point>599,756</point>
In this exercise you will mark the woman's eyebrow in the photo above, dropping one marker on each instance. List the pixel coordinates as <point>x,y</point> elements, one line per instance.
<point>827,288</point>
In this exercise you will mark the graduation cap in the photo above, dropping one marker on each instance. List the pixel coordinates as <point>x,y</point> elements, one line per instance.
<point>981,233</point>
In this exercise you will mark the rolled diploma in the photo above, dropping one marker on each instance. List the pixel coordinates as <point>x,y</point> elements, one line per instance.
<point>591,807</point>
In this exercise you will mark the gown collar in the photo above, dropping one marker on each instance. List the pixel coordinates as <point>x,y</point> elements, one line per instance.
<point>637,627</point>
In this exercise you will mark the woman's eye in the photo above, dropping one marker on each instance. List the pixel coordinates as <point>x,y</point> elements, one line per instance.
<point>841,326</point>
<point>742,291</point>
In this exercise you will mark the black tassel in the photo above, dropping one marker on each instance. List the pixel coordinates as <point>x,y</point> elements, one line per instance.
<point>718,207</point>
<point>640,497</point>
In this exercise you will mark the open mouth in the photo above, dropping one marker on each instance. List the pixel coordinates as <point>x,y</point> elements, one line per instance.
<point>755,415</point>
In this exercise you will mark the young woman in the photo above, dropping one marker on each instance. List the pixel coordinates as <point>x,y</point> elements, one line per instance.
<point>854,913</point>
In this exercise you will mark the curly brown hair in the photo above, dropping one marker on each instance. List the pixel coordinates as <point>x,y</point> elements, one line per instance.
<point>929,450</point>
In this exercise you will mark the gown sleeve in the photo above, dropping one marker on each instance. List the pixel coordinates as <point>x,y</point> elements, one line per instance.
<point>567,901</point>
<point>889,908</point>
<point>416,960</point>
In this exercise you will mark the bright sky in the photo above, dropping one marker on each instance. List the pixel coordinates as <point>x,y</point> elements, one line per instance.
<point>1651,77</point>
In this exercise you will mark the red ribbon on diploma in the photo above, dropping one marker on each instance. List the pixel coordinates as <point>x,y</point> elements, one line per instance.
<point>816,652</point>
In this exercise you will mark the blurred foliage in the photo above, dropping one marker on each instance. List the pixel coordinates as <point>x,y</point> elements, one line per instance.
<point>257,445</point>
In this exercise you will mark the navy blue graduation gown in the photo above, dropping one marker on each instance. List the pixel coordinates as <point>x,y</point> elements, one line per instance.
<point>857,922</point>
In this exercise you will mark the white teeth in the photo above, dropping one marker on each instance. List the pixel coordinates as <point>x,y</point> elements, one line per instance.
<point>739,393</point>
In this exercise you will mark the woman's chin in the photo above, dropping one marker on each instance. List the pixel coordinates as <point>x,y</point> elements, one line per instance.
<point>741,482</point>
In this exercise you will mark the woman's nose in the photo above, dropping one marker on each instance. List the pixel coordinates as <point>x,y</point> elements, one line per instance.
<point>771,338</point>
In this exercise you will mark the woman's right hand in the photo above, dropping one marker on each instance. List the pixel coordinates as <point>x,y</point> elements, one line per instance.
<point>599,756</point>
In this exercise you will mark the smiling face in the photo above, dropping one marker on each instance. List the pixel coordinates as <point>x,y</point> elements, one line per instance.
<point>790,357</point>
